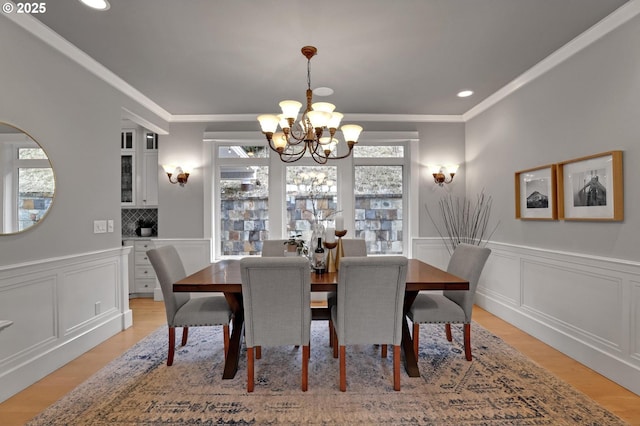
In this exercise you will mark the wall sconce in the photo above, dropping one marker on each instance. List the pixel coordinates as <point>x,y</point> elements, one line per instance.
<point>440,173</point>
<point>181,175</point>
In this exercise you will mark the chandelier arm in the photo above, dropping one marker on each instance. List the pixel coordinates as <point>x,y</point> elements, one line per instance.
<point>291,158</point>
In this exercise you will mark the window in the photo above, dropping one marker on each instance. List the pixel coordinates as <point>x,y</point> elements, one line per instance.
<point>311,199</point>
<point>379,207</point>
<point>243,185</point>
<point>258,197</point>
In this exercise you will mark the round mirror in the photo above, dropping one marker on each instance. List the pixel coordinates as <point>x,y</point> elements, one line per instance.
<point>27,183</point>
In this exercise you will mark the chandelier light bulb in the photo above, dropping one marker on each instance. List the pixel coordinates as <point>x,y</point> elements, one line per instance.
<point>351,132</point>
<point>290,108</point>
<point>268,123</point>
<point>323,106</point>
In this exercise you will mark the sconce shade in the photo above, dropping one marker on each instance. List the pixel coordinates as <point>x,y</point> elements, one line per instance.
<point>182,176</point>
<point>440,172</point>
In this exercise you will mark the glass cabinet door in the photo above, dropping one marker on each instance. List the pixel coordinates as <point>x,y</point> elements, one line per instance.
<point>126,179</point>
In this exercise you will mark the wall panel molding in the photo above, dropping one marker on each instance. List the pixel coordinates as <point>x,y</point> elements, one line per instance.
<point>587,307</point>
<point>61,308</point>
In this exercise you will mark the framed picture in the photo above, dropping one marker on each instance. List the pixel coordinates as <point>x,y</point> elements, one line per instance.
<point>536,193</point>
<point>590,188</point>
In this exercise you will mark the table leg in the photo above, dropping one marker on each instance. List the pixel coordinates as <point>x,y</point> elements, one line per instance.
<point>410,360</point>
<point>233,355</point>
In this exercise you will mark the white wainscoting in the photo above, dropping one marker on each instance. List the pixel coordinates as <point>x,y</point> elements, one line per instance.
<point>60,309</point>
<point>195,254</point>
<point>586,307</point>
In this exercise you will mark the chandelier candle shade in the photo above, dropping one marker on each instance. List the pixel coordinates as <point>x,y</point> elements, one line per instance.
<point>440,173</point>
<point>306,136</point>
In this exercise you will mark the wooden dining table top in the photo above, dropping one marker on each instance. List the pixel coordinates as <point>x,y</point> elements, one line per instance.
<point>224,276</point>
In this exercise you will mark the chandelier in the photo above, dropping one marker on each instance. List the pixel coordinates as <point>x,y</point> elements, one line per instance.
<point>299,137</point>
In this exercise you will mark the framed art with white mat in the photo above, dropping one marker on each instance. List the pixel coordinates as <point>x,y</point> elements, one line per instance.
<point>591,188</point>
<point>536,193</point>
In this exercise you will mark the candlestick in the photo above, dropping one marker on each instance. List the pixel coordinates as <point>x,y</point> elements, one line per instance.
<point>340,249</point>
<point>331,264</point>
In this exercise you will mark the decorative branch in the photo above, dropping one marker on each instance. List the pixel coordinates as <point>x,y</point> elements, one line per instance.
<point>464,222</point>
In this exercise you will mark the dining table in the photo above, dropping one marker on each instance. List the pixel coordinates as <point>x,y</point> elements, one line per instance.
<point>224,277</point>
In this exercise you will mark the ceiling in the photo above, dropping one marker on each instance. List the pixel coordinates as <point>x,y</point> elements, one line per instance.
<point>407,57</point>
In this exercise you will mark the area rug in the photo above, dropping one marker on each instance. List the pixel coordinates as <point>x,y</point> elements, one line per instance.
<point>499,387</point>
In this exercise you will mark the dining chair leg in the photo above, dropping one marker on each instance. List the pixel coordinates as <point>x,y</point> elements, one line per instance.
<point>447,329</point>
<point>258,352</point>
<point>305,367</point>
<point>335,344</point>
<point>172,346</point>
<point>343,368</point>
<point>330,333</point>
<point>467,341</point>
<point>396,367</point>
<point>416,338</point>
<point>383,351</point>
<point>225,334</point>
<point>185,335</point>
<point>249,369</point>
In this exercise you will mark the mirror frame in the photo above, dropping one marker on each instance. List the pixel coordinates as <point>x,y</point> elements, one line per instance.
<point>55,184</point>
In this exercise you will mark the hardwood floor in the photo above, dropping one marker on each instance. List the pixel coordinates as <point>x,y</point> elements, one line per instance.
<point>149,315</point>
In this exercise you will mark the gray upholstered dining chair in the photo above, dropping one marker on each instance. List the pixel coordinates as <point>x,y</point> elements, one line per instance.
<point>273,248</point>
<point>453,306</point>
<point>182,310</point>
<point>369,308</point>
<point>352,247</point>
<point>277,307</point>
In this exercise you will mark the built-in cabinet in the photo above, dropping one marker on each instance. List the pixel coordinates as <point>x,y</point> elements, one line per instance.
<point>142,277</point>
<point>139,168</point>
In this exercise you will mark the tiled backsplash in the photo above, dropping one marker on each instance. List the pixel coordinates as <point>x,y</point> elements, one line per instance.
<point>130,218</point>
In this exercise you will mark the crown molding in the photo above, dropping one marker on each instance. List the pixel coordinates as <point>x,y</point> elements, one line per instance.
<point>378,118</point>
<point>252,137</point>
<point>56,41</point>
<point>609,23</point>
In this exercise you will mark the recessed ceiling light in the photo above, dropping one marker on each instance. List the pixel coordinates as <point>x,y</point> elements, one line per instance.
<point>323,91</point>
<point>97,4</point>
<point>465,93</point>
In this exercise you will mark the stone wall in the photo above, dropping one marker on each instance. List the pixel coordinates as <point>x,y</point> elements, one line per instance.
<point>378,219</point>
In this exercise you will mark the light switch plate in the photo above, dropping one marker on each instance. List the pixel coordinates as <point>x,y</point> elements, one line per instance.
<point>110,225</point>
<point>99,226</point>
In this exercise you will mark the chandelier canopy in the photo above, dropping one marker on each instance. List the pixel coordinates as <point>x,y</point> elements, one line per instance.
<point>306,135</point>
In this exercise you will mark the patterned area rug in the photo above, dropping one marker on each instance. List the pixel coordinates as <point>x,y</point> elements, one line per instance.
<point>499,387</point>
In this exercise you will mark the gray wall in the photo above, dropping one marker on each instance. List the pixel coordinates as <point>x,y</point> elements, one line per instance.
<point>181,209</point>
<point>587,105</point>
<point>440,143</point>
<point>76,117</point>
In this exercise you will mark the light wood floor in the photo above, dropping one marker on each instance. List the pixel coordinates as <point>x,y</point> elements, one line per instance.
<point>149,315</point>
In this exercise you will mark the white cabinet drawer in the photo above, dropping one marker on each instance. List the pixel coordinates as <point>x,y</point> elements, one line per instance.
<point>143,246</point>
<point>145,272</point>
<point>145,286</point>
<point>142,258</point>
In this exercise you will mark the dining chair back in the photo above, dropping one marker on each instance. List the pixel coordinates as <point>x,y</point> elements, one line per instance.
<point>354,247</point>
<point>369,308</point>
<point>277,308</point>
<point>273,248</point>
<point>453,306</point>
<point>181,309</point>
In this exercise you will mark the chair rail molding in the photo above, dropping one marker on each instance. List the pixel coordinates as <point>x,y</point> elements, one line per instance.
<point>587,307</point>
<point>60,308</point>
